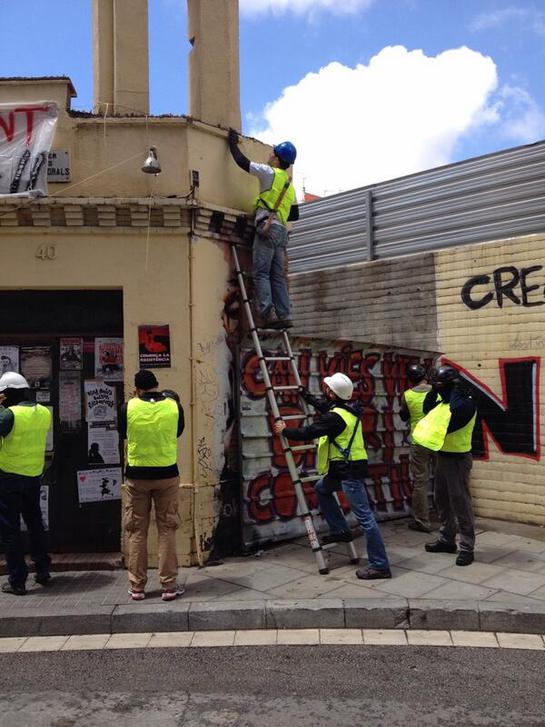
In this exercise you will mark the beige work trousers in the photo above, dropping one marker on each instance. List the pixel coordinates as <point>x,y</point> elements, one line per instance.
<point>139,496</point>
<point>422,461</point>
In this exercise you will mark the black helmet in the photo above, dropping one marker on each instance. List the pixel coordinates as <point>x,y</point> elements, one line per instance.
<point>171,394</point>
<point>445,375</point>
<point>416,372</point>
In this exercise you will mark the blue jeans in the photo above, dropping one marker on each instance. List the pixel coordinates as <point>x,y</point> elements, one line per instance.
<point>21,496</point>
<point>271,290</point>
<point>356,495</point>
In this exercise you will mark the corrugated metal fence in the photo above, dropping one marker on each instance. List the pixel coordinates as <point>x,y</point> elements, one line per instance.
<point>486,198</point>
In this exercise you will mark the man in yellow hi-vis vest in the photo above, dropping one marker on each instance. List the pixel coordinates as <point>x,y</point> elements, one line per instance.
<point>421,458</point>
<point>342,460</point>
<point>23,428</point>
<point>447,428</point>
<point>151,422</point>
<point>275,206</point>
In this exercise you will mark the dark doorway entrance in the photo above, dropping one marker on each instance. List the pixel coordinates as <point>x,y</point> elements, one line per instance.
<point>71,330</point>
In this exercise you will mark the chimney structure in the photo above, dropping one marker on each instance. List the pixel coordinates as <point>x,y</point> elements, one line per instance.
<point>214,72</point>
<point>121,57</point>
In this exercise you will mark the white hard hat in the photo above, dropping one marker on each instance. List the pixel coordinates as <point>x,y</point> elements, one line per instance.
<point>11,380</point>
<point>341,385</point>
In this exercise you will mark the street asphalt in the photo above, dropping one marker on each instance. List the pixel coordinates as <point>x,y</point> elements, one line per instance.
<point>337,686</point>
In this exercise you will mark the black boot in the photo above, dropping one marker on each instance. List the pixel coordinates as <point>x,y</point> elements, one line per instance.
<point>465,557</point>
<point>438,546</point>
<point>15,590</point>
<point>344,537</point>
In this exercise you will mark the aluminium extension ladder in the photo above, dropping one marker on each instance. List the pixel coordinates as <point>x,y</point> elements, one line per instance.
<point>320,551</point>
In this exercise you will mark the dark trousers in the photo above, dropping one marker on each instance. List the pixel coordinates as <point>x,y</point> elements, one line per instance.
<point>21,496</point>
<point>453,501</point>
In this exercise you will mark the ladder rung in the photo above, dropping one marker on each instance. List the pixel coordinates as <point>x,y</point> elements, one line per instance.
<point>303,448</point>
<point>284,388</point>
<point>311,478</point>
<point>292,416</point>
<point>277,358</point>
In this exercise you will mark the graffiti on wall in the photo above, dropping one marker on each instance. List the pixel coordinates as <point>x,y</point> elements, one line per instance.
<point>506,283</point>
<point>380,377</point>
<point>512,419</point>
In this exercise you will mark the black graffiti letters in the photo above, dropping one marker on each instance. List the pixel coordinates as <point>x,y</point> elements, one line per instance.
<point>512,422</point>
<point>506,283</point>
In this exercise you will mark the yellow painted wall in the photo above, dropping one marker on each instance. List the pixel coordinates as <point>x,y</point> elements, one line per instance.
<point>505,486</point>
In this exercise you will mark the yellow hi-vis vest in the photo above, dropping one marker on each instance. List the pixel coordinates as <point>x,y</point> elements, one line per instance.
<point>23,450</point>
<point>415,405</point>
<point>328,452</point>
<point>151,433</point>
<point>460,440</point>
<point>431,431</point>
<point>268,198</point>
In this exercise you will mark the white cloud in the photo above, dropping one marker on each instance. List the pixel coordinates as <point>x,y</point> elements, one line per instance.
<point>522,120</point>
<point>401,113</point>
<point>300,7</point>
<point>525,17</point>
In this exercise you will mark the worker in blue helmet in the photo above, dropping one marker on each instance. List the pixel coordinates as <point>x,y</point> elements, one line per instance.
<point>275,206</point>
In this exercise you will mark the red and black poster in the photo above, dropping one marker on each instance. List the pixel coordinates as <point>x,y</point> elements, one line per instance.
<point>154,347</point>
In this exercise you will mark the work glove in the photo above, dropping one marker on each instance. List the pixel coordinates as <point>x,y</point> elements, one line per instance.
<point>304,393</point>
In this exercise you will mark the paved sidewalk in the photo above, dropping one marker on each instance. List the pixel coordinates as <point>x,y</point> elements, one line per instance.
<point>504,590</point>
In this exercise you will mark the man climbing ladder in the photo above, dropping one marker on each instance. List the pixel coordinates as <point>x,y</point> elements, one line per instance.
<point>275,206</point>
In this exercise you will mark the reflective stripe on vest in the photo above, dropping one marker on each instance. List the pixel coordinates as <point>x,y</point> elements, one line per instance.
<point>415,405</point>
<point>328,452</point>
<point>23,449</point>
<point>268,198</point>
<point>151,433</point>
<point>460,440</point>
<point>431,431</point>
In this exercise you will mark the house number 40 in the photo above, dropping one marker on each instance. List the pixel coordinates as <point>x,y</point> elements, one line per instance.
<point>46,252</point>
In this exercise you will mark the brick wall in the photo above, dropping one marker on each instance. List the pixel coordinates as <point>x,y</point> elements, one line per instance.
<point>482,307</point>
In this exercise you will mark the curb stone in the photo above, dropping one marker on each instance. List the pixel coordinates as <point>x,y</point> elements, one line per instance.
<point>389,613</point>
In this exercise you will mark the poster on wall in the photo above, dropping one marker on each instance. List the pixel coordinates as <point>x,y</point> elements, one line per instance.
<point>9,359</point>
<point>44,507</point>
<point>103,443</point>
<point>109,359</point>
<point>37,366</point>
<point>100,402</point>
<point>99,485</point>
<point>26,135</point>
<point>71,353</point>
<point>70,400</point>
<point>154,347</point>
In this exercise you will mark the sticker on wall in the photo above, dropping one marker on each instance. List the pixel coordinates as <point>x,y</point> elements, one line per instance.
<point>103,443</point>
<point>70,400</point>
<point>37,366</point>
<point>99,485</point>
<point>154,347</point>
<point>109,359</point>
<point>71,353</point>
<point>43,397</point>
<point>44,507</point>
<point>100,402</point>
<point>9,359</point>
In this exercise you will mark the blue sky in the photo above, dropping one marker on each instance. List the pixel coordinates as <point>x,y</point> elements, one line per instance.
<point>396,85</point>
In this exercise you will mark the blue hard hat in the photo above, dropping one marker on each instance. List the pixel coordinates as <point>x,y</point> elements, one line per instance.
<point>286,152</point>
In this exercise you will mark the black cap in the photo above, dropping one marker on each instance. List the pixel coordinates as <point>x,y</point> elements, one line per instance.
<point>416,372</point>
<point>145,380</point>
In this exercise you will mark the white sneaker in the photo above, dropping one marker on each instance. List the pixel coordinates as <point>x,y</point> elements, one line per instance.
<point>172,592</point>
